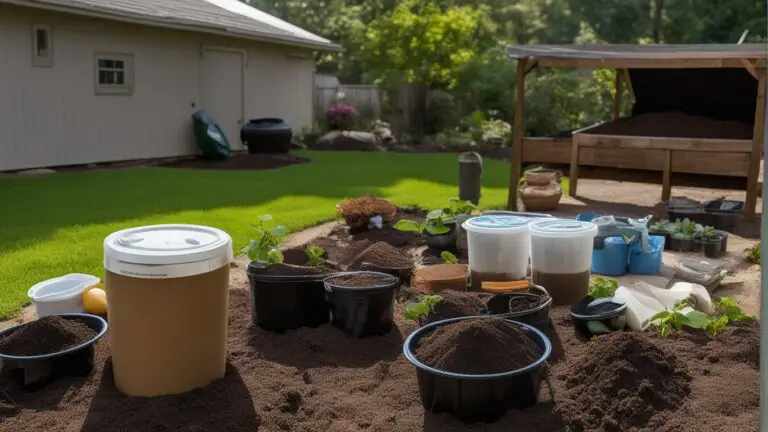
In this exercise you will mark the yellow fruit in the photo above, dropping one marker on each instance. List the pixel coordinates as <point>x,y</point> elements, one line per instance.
<point>95,301</point>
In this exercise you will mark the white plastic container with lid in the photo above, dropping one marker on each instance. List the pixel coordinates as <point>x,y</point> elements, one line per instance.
<point>61,295</point>
<point>499,248</point>
<point>167,293</point>
<point>561,257</point>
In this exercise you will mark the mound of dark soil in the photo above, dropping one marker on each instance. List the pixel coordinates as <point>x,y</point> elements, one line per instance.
<point>457,304</point>
<point>675,124</point>
<point>478,346</point>
<point>294,270</point>
<point>622,383</point>
<point>242,161</point>
<point>47,335</point>
<point>383,255</point>
<point>358,280</point>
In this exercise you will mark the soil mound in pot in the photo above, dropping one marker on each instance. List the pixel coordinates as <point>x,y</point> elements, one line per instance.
<point>455,347</point>
<point>383,255</point>
<point>294,270</point>
<point>47,335</point>
<point>456,304</point>
<point>358,281</point>
<point>524,303</point>
<point>623,382</point>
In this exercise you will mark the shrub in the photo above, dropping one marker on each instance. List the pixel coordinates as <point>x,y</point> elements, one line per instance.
<point>341,117</point>
<point>439,111</point>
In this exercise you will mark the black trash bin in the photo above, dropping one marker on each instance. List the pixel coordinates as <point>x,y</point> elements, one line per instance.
<point>266,135</point>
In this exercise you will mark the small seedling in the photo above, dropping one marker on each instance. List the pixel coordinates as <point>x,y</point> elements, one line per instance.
<point>684,229</point>
<point>602,287</point>
<point>449,258</point>
<point>661,226</point>
<point>315,255</point>
<point>728,307</point>
<point>715,326</point>
<point>754,253</point>
<point>707,233</point>
<point>432,225</point>
<point>263,248</point>
<point>675,319</point>
<point>418,311</point>
<point>458,207</point>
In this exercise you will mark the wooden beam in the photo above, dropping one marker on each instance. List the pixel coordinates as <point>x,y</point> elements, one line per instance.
<point>757,146</point>
<point>751,69</point>
<point>531,67</point>
<point>628,82</point>
<point>634,63</point>
<point>573,172</point>
<point>517,141</point>
<point>617,97</point>
<point>587,139</point>
<point>666,180</point>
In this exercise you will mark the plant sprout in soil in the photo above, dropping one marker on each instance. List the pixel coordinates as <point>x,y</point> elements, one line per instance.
<point>602,287</point>
<point>726,310</point>
<point>449,258</point>
<point>754,253</point>
<point>264,247</point>
<point>418,311</point>
<point>662,226</point>
<point>685,229</point>
<point>315,254</point>
<point>433,225</point>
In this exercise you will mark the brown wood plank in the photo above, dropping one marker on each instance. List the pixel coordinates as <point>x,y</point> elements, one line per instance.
<point>652,160</point>
<point>519,129</point>
<point>547,150</point>
<point>757,146</point>
<point>722,164</point>
<point>667,63</point>
<point>666,180</point>
<point>664,143</point>
<point>573,173</point>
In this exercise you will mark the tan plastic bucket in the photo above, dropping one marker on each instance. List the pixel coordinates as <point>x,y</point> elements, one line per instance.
<point>167,290</point>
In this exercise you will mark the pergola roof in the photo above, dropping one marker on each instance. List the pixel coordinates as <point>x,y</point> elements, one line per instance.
<point>643,56</point>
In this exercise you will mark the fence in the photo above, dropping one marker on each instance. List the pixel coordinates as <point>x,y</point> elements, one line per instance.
<point>365,98</point>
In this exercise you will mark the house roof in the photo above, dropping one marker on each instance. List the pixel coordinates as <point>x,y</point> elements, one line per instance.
<point>230,17</point>
<point>646,56</point>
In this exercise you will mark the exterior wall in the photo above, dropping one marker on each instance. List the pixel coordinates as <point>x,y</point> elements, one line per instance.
<point>52,116</point>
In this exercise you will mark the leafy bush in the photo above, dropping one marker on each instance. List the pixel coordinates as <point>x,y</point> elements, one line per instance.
<point>341,117</point>
<point>440,111</point>
<point>308,136</point>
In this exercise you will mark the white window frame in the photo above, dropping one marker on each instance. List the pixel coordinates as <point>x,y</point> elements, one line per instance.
<point>124,89</point>
<point>37,59</point>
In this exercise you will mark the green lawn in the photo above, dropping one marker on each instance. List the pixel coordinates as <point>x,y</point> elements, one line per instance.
<point>53,225</point>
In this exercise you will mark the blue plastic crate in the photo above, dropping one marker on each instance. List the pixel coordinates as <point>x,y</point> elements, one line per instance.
<point>647,263</point>
<point>612,259</point>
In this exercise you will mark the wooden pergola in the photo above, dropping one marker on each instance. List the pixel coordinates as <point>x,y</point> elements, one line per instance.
<point>737,157</point>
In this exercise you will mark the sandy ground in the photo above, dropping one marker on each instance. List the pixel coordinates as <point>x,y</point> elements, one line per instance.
<point>606,197</point>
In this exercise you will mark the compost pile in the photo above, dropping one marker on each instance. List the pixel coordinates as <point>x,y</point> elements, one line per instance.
<point>47,335</point>
<point>357,212</point>
<point>675,124</point>
<point>623,384</point>
<point>478,346</point>
<point>457,304</point>
<point>383,255</point>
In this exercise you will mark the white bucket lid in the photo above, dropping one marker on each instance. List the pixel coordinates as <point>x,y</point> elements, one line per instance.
<point>61,288</point>
<point>563,228</point>
<point>496,224</point>
<point>165,251</point>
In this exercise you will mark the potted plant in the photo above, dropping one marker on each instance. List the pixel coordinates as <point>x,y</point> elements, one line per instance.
<point>664,229</point>
<point>284,296</point>
<point>440,226</point>
<point>682,235</point>
<point>710,241</point>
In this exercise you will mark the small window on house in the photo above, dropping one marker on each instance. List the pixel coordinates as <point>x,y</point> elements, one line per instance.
<point>114,74</point>
<point>42,46</point>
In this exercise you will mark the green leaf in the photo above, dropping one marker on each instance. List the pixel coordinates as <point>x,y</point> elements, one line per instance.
<point>660,315</point>
<point>315,255</point>
<point>406,225</point>
<point>437,228</point>
<point>695,319</point>
<point>279,231</point>
<point>434,215</point>
<point>665,331</point>
<point>274,256</point>
<point>416,311</point>
<point>449,257</point>
<point>728,307</point>
<point>603,287</point>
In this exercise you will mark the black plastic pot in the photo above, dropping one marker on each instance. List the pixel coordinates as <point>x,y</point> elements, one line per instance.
<point>592,319</point>
<point>280,303</point>
<point>266,135</point>
<point>724,214</point>
<point>681,245</point>
<point>724,243</point>
<point>696,214</point>
<point>362,310</point>
<point>667,238</point>
<point>711,248</point>
<point>478,398</point>
<point>500,305</point>
<point>402,273</point>
<point>36,371</point>
<point>442,242</point>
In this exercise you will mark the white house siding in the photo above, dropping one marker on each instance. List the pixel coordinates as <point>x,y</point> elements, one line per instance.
<point>51,116</point>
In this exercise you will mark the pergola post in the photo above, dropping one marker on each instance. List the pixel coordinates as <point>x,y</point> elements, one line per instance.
<point>757,145</point>
<point>517,137</point>
<point>617,98</point>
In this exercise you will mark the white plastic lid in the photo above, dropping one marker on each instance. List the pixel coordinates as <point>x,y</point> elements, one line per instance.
<point>161,251</point>
<point>491,224</point>
<point>563,228</point>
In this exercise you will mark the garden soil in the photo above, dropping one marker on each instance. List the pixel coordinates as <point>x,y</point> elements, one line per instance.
<point>675,124</point>
<point>47,335</point>
<point>242,161</point>
<point>455,347</point>
<point>322,380</point>
<point>382,254</point>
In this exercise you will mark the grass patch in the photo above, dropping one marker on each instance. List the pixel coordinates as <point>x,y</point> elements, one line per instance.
<point>53,225</point>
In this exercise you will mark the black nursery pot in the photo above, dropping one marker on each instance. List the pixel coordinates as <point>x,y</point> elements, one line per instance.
<point>402,273</point>
<point>501,305</point>
<point>34,372</point>
<point>362,309</point>
<point>681,245</point>
<point>280,303</point>
<point>595,319</point>
<point>478,398</point>
<point>711,248</point>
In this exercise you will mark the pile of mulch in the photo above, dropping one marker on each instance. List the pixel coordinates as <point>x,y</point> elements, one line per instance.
<point>242,161</point>
<point>357,212</point>
<point>382,254</point>
<point>322,380</point>
<point>625,382</point>
<point>675,124</point>
<point>478,346</point>
<point>457,304</point>
<point>46,335</point>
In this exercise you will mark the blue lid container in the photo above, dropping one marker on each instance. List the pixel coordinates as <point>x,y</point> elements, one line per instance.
<point>612,259</point>
<point>647,263</point>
